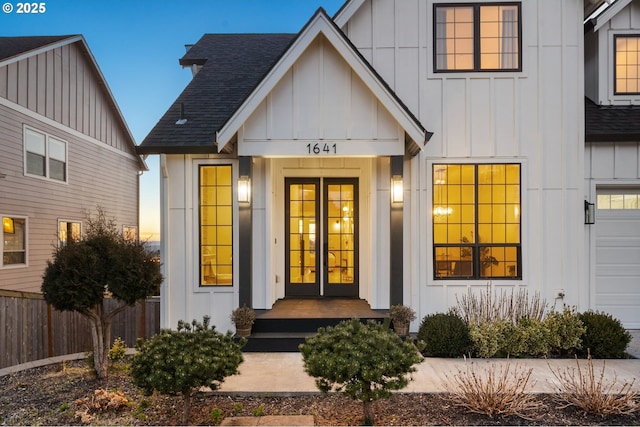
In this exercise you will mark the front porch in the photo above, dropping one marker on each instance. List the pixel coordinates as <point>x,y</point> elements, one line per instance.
<point>291,320</point>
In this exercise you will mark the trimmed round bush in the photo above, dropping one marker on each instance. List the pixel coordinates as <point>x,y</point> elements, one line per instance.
<point>565,331</point>
<point>529,338</point>
<point>444,335</point>
<point>605,337</point>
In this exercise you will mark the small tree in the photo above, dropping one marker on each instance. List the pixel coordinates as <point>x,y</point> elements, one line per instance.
<point>178,362</point>
<point>363,361</point>
<point>102,264</point>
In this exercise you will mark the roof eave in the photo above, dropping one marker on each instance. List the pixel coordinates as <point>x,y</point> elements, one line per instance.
<point>612,137</point>
<point>173,149</point>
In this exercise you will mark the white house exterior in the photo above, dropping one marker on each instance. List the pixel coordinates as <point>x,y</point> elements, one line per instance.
<point>612,160</point>
<point>403,151</point>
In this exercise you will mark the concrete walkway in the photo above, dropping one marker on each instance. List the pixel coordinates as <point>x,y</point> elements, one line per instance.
<point>283,373</point>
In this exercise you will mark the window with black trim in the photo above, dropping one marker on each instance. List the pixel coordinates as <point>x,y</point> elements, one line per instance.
<point>627,69</point>
<point>476,221</point>
<point>216,225</point>
<point>45,155</point>
<point>14,241</point>
<point>477,37</point>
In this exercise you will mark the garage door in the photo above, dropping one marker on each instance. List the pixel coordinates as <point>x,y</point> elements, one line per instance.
<point>618,255</point>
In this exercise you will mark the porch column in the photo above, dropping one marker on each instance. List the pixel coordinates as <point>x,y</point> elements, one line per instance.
<point>245,241</point>
<point>395,241</point>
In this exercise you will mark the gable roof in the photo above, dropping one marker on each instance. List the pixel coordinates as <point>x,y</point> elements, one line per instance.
<point>14,46</point>
<point>611,11</point>
<point>232,65</point>
<point>13,49</point>
<point>235,79</point>
<point>611,123</point>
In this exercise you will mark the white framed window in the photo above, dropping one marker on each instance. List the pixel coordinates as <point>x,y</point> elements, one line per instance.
<point>68,231</point>
<point>45,155</point>
<point>477,37</point>
<point>14,241</point>
<point>130,233</point>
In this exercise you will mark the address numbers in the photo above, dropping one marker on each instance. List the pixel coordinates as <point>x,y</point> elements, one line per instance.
<point>322,148</point>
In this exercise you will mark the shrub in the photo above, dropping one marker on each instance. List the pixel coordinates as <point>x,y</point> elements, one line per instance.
<point>362,361</point>
<point>488,339</point>
<point>101,401</point>
<point>585,389</point>
<point>118,350</point>
<point>529,338</point>
<point>444,335</point>
<point>565,330</point>
<point>605,337</point>
<point>494,391</point>
<point>488,307</point>
<point>178,362</point>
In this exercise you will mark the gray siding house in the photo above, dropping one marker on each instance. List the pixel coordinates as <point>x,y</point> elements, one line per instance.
<point>64,149</point>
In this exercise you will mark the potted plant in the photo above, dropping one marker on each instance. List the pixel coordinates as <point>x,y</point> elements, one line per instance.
<point>401,316</point>
<point>243,317</point>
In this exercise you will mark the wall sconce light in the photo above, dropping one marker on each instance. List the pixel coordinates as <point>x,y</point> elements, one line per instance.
<point>244,189</point>
<point>589,213</point>
<point>8,225</point>
<point>397,190</point>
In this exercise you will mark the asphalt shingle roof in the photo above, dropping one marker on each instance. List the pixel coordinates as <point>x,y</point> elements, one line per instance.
<point>232,66</point>
<point>13,46</point>
<point>611,123</point>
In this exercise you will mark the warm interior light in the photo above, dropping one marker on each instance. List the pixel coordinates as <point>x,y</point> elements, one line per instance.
<point>441,210</point>
<point>244,189</point>
<point>8,225</point>
<point>397,189</point>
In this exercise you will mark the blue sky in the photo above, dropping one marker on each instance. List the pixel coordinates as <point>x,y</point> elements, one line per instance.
<point>137,44</point>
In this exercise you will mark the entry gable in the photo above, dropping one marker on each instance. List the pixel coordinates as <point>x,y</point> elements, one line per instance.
<point>322,91</point>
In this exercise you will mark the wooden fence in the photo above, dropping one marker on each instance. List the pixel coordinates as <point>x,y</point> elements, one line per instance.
<point>30,329</point>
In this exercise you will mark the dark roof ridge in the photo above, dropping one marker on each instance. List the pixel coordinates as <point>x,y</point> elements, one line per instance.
<point>12,46</point>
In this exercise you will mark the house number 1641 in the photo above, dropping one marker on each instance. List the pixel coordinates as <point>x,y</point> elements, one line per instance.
<point>324,148</point>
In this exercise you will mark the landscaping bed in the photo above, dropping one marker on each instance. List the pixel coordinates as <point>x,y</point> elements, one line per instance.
<point>58,395</point>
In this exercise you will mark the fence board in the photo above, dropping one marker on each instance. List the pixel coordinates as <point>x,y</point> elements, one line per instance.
<point>29,332</point>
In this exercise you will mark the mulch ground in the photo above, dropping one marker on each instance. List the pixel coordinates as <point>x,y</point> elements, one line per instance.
<point>60,394</point>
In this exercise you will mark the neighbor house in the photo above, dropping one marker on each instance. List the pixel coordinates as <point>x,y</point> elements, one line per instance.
<point>65,148</point>
<point>401,152</point>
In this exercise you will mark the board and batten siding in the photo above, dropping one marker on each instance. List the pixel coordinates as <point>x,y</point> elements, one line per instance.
<point>320,99</point>
<point>57,92</point>
<point>533,117</point>
<point>599,58</point>
<point>62,85</point>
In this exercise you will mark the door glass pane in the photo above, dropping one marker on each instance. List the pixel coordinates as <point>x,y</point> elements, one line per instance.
<point>341,238</point>
<point>303,204</point>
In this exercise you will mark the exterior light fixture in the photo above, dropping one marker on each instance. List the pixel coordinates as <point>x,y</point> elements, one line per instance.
<point>7,225</point>
<point>589,213</point>
<point>397,190</point>
<point>244,189</point>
